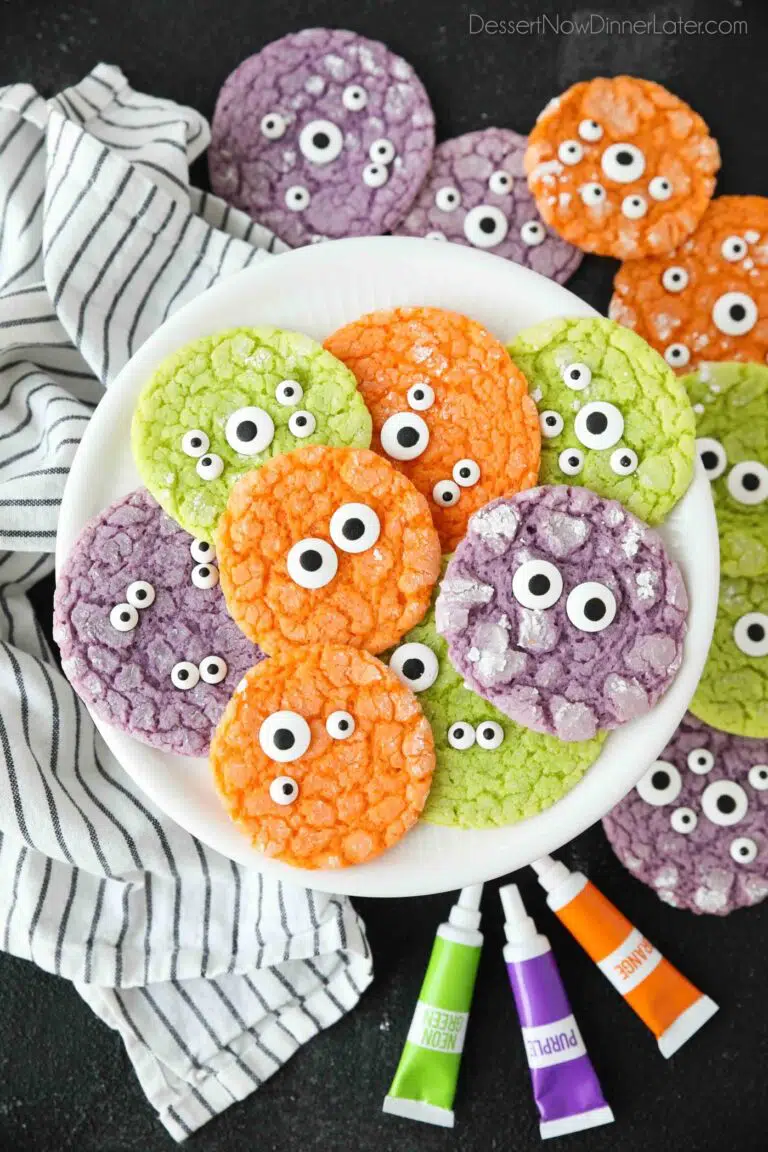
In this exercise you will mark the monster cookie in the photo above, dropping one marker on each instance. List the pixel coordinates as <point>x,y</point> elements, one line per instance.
<point>488,771</point>
<point>476,193</point>
<point>707,300</point>
<point>733,691</point>
<point>327,545</point>
<point>322,757</point>
<point>613,416</point>
<point>694,828</point>
<point>731,404</point>
<point>143,630</point>
<point>448,406</point>
<point>621,167</point>
<point>225,404</point>
<point>322,134</point>
<point>564,611</point>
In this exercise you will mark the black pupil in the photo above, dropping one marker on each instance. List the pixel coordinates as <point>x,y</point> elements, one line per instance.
<point>726,804</point>
<point>284,739</point>
<point>343,725</point>
<point>756,633</point>
<point>487,225</point>
<point>183,674</point>
<point>297,195</point>
<point>573,461</point>
<point>594,609</point>
<point>413,668</point>
<point>686,819</point>
<point>625,461</point>
<point>737,312</point>
<point>288,788</point>
<point>551,421</point>
<point>597,422</point>
<point>709,460</point>
<point>206,461</point>
<point>458,733</point>
<point>447,496</point>
<point>141,594</point>
<point>321,139</point>
<point>288,391</point>
<point>212,668</point>
<point>450,197</point>
<point>246,430</point>
<point>575,374</point>
<point>660,780</point>
<point>125,617</point>
<point>353,529</point>
<point>744,850</point>
<point>676,276</point>
<point>624,158</point>
<point>464,473</point>
<point>750,481</point>
<point>635,202</point>
<point>488,733</point>
<point>407,437</point>
<point>539,584</point>
<point>195,441</point>
<point>418,394</point>
<point>311,560</point>
<point>300,421</point>
<point>204,572</point>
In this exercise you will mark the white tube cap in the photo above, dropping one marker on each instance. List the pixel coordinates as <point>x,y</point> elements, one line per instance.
<point>518,925</point>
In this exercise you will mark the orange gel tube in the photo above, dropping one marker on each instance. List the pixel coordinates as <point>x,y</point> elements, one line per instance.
<point>670,1005</point>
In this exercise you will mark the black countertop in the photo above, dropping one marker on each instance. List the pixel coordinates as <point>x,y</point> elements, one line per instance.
<point>65,1082</point>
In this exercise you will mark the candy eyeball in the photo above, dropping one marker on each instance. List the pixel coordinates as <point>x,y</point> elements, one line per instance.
<point>551,424</point>
<point>461,736</point>
<point>284,736</point>
<point>420,397</point>
<point>202,552</point>
<point>592,194</point>
<point>466,473</point>
<point>591,606</point>
<point>354,98</point>
<point>355,528</point>
<point>205,576</point>
<point>297,198</point>
<point>213,669</point>
<point>624,461</point>
<point>289,393</point>
<point>684,820</point>
<point>195,443</point>
<point>489,735</point>
<point>375,175</point>
<point>537,584</point>
<point>273,126</point>
<point>415,665</point>
<point>623,163</point>
<point>404,436</point>
<point>446,493</point>
<point>677,355</point>
<point>674,278</point>
<point>599,425</point>
<point>700,761</point>
<point>743,850</point>
<point>447,199</point>
<point>340,725</point>
<point>571,461</point>
<point>748,482</point>
<point>724,802</point>
<point>382,151</point>
<point>485,226</point>
<point>312,563</point>
<point>124,617</point>
<point>734,313</point>
<point>758,777</point>
<point>590,131</point>
<point>750,634</point>
<point>712,456</point>
<point>140,594</point>
<point>302,424</point>
<point>185,675</point>
<point>570,152</point>
<point>320,141</point>
<point>499,182</point>
<point>660,785</point>
<point>533,233</point>
<point>283,790</point>
<point>733,249</point>
<point>577,376</point>
<point>249,431</point>
<point>660,188</point>
<point>209,467</point>
<point>633,207</point>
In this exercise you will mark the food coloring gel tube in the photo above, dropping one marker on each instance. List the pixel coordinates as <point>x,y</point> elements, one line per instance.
<point>565,1086</point>
<point>425,1081</point>
<point>669,1004</point>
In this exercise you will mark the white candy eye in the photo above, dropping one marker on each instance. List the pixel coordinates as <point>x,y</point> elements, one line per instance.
<point>354,98</point>
<point>684,820</point>
<point>624,461</point>
<point>283,790</point>
<point>284,736</point>
<point>590,606</point>
<point>382,151</point>
<point>289,393</point>
<point>537,584</point>
<point>312,563</point>
<point>273,126</point>
<point>747,482</point>
<point>209,467</point>
<point>124,617</point>
<point>599,425</point>
<point>461,735</point>
<point>660,785</point>
<point>420,397</point>
<point>195,443</point>
<point>701,761</point>
<point>375,175</point>
<point>340,725</point>
<point>485,226</point>
<point>633,207</point>
<point>571,461</point>
<point>592,194</point>
<point>404,436</point>
<point>660,188</point>
<point>297,198</point>
<point>185,675</point>
<point>213,669</point>
<point>489,735</point>
<point>499,182</point>
<point>446,493</point>
<point>623,163</point>
<point>447,199</point>
<point>676,355</point>
<point>590,131</point>
<point>743,850</point>
<point>320,141</point>
<point>712,456</point>
<point>734,313</point>
<point>202,552</point>
<point>205,576</point>
<point>355,528</point>
<point>140,593</point>
<point>724,802</point>
<point>466,473</point>
<point>577,376</point>
<point>674,278</point>
<point>551,424</point>
<point>415,665</point>
<point>758,777</point>
<point>570,152</point>
<point>751,634</point>
<point>249,431</point>
<point>302,424</point>
<point>533,233</point>
<point>733,249</point>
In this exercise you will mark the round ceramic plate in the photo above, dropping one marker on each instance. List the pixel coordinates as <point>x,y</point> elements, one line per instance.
<point>315,290</point>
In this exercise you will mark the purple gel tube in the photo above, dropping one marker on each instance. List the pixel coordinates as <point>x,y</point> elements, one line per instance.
<point>567,1092</point>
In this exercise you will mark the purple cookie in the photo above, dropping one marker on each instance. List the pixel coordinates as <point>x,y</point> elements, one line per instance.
<point>144,633</point>
<point>696,826</point>
<point>322,134</point>
<point>477,193</point>
<point>564,611</point>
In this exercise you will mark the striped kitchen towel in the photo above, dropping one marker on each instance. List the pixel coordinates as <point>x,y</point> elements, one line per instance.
<point>212,975</point>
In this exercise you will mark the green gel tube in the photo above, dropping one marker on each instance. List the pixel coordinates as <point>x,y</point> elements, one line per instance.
<point>425,1082</point>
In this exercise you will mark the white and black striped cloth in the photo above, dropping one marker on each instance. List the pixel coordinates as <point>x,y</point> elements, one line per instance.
<point>212,975</point>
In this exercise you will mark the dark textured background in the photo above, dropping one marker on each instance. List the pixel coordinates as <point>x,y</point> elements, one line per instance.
<point>65,1082</point>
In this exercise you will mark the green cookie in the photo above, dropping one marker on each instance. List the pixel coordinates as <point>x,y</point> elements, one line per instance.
<point>730,402</point>
<point>733,692</point>
<point>614,417</point>
<point>226,404</point>
<point>489,771</point>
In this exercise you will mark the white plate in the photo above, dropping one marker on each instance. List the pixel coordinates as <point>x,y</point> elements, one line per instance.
<point>315,290</point>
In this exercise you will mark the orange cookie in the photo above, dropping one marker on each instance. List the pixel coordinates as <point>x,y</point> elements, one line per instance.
<point>448,406</point>
<point>621,167</point>
<point>327,546</point>
<point>323,757</point>
<point>708,300</point>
